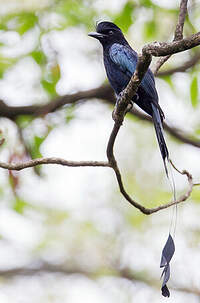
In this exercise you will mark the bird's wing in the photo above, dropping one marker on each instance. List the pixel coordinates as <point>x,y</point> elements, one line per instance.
<point>148,84</point>
<point>126,59</point>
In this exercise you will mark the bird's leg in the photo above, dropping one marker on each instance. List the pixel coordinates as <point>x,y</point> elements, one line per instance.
<point>128,109</point>
<point>114,113</point>
<point>118,97</point>
<point>131,104</point>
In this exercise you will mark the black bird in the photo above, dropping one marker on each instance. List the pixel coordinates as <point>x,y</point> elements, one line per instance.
<point>120,62</point>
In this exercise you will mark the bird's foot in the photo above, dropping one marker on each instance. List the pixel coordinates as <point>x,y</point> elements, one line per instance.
<point>131,104</point>
<point>115,116</point>
<point>135,98</point>
<point>118,97</point>
<point>129,107</point>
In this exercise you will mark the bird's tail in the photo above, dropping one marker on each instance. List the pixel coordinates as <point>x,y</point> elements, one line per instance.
<point>160,135</point>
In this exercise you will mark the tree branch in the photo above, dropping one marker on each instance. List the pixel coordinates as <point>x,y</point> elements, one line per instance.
<point>39,161</point>
<point>180,135</point>
<point>159,49</point>
<point>103,92</point>
<point>182,68</point>
<point>12,112</point>
<point>178,35</point>
<point>62,269</point>
<point>112,164</point>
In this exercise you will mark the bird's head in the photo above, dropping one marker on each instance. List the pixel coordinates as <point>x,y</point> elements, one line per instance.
<point>107,33</point>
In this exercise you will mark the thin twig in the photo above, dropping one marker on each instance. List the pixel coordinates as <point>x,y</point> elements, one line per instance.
<point>182,68</point>
<point>180,135</point>
<point>178,35</point>
<point>52,160</point>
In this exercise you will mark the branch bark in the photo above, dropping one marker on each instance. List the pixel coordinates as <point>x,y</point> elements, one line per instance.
<point>39,161</point>
<point>178,35</point>
<point>159,49</point>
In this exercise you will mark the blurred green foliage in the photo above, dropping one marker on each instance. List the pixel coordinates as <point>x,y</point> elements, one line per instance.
<point>194,91</point>
<point>125,18</point>
<point>20,205</point>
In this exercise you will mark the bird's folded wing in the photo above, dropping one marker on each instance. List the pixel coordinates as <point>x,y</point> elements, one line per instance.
<point>126,59</point>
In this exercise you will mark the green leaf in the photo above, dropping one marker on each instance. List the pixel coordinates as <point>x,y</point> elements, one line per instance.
<point>35,148</point>
<point>49,87</point>
<point>39,57</point>
<point>20,205</point>
<point>51,78</point>
<point>34,151</point>
<point>194,92</point>
<point>124,19</point>
<point>24,120</point>
<point>26,21</point>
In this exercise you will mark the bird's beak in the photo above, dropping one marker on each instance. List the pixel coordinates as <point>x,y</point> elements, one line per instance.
<point>96,35</point>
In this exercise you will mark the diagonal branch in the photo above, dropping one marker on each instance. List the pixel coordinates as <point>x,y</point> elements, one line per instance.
<point>178,35</point>
<point>182,68</point>
<point>180,135</point>
<point>12,112</point>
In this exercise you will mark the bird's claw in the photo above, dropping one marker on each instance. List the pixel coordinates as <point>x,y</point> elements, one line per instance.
<point>135,98</point>
<point>129,107</point>
<point>118,97</point>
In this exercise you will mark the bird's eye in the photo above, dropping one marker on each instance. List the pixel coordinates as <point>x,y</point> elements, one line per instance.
<point>110,32</point>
